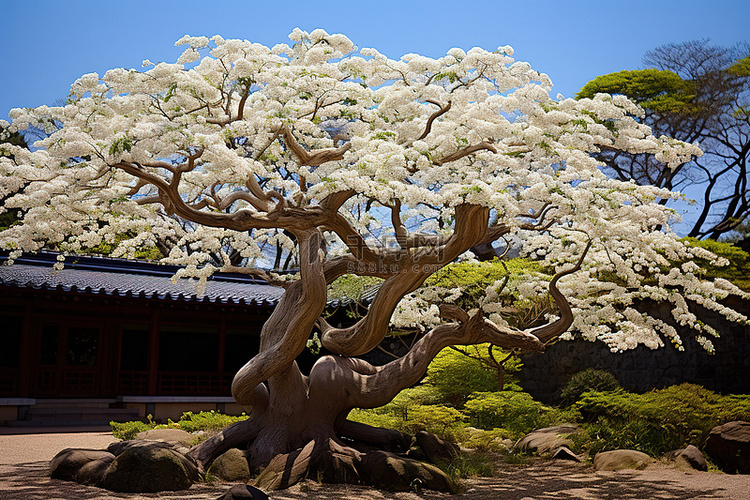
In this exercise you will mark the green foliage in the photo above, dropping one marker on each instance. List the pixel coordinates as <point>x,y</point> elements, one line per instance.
<point>738,270</point>
<point>470,464</point>
<point>588,380</point>
<point>474,278</point>
<point>351,286</point>
<point>454,375</point>
<point>658,421</point>
<point>516,412</point>
<point>189,421</point>
<point>741,67</point>
<point>658,90</point>
<point>128,430</point>
<point>412,410</point>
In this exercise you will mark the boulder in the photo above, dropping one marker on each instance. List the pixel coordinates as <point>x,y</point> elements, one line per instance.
<point>171,436</point>
<point>231,466</point>
<point>150,467</point>
<point>728,446</point>
<point>93,472</point>
<point>118,447</point>
<point>621,459</point>
<point>434,448</point>
<point>565,453</point>
<point>547,440</point>
<point>385,470</point>
<point>67,464</point>
<point>690,457</point>
<point>243,492</point>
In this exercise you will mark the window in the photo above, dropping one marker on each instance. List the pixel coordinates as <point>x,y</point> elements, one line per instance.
<point>188,348</point>
<point>134,354</point>
<point>11,328</point>
<point>240,345</point>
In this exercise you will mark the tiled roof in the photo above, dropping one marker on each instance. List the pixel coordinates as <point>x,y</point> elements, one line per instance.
<point>124,278</point>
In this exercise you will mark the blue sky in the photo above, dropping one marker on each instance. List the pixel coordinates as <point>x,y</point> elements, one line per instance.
<point>48,44</point>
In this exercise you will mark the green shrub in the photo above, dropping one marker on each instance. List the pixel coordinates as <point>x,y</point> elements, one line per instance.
<point>128,430</point>
<point>658,421</point>
<point>206,420</point>
<point>455,376</point>
<point>482,439</point>
<point>189,421</point>
<point>588,380</point>
<point>515,411</point>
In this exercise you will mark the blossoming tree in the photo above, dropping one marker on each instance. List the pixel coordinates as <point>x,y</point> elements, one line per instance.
<point>357,164</point>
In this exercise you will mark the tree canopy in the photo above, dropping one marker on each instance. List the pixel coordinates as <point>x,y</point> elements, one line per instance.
<point>695,92</point>
<point>360,164</point>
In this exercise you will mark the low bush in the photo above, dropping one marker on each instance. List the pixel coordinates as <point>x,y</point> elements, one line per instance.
<point>658,421</point>
<point>588,380</point>
<point>517,412</point>
<point>189,421</point>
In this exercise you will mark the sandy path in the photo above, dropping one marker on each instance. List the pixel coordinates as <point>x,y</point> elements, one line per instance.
<point>24,465</point>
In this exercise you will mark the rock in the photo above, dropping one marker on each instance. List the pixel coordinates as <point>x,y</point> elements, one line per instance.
<point>385,470</point>
<point>118,447</point>
<point>67,464</point>
<point>728,446</point>
<point>689,457</point>
<point>435,449</point>
<point>547,440</point>
<point>149,467</point>
<point>565,453</point>
<point>171,436</point>
<point>286,470</point>
<point>621,459</point>
<point>231,466</point>
<point>93,472</point>
<point>243,492</point>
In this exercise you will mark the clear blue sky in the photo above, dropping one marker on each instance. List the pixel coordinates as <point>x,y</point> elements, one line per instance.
<point>48,44</point>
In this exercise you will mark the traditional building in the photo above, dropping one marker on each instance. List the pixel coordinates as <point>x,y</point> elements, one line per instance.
<point>120,336</point>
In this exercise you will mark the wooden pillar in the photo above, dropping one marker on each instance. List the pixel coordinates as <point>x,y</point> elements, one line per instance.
<point>153,353</point>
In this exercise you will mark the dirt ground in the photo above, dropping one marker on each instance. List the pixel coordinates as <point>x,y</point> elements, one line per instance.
<point>24,463</point>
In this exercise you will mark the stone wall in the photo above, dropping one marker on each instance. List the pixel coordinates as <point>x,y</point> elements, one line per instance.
<point>642,369</point>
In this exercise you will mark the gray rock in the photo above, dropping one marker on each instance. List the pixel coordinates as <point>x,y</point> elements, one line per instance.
<point>621,459</point>
<point>66,464</point>
<point>565,453</point>
<point>387,471</point>
<point>93,472</point>
<point>243,492</point>
<point>728,446</point>
<point>689,456</point>
<point>231,466</point>
<point>172,436</point>
<point>148,468</point>
<point>120,446</point>
<point>435,449</point>
<point>547,440</point>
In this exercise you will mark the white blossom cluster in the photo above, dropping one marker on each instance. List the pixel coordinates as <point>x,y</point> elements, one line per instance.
<point>470,127</point>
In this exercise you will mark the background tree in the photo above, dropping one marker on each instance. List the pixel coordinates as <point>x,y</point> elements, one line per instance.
<point>698,93</point>
<point>357,164</point>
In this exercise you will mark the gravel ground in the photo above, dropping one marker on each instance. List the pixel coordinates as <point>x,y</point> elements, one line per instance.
<point>24,462</point>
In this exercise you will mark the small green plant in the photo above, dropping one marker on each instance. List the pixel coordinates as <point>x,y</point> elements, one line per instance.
<point>189,421</point>
<point>588,380</point>
<point>469,464</point>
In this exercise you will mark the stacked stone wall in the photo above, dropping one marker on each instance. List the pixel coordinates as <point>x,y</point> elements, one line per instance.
<point>642,369</point>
